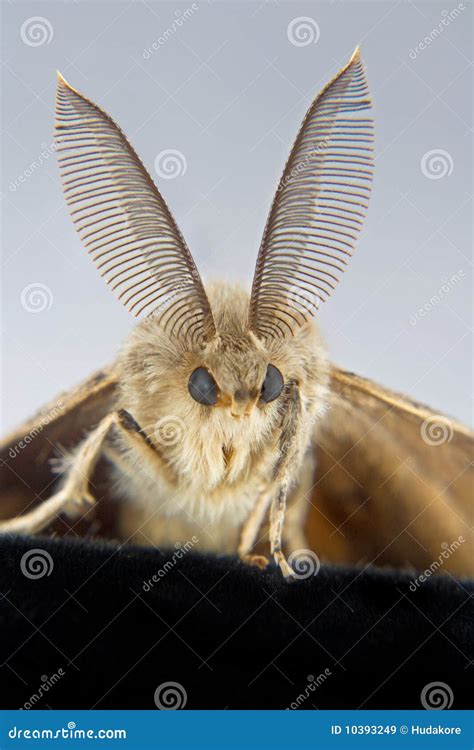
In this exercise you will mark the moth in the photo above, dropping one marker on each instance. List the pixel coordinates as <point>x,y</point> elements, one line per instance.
<point>223,420</point>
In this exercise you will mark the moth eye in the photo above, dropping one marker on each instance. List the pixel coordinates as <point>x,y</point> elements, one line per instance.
<point>203,387</point>
<point>272,385</point>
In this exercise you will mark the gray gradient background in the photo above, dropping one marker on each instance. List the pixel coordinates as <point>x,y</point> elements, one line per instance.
<point>229,90</point>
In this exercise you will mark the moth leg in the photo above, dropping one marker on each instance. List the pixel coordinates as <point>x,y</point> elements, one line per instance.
<point>250,531</point>
<point>74,497</point>
<point>291,446</point>
<point>277,519</point>
<point>299,500</point>
<point>293,532</point>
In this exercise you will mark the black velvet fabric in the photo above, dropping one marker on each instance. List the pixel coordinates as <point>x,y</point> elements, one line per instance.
<point>231,636</point>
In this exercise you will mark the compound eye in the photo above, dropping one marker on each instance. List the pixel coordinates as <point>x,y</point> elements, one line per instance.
<point>272,385</point>
<point>203,387</point>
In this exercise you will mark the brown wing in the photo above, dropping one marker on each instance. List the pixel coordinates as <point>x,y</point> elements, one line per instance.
<point>26,473</point>
<point>394,482</point>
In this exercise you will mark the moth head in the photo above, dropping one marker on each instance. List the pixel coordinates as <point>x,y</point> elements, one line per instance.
<point>237,359</point>
<point>235,374</point>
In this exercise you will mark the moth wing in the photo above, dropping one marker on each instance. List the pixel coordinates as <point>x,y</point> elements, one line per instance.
<point>27,454</point>
<point>394,480</point>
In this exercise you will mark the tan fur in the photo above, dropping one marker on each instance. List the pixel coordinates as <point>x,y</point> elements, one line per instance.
<point>205,489</point>
<point>211,477</point>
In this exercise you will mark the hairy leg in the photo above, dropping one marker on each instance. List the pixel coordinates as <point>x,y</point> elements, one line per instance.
<point>299,499</point>
<point>250,531</point>
<point>291,447</point>
<point>277,519</point>
<point>74,497</point>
